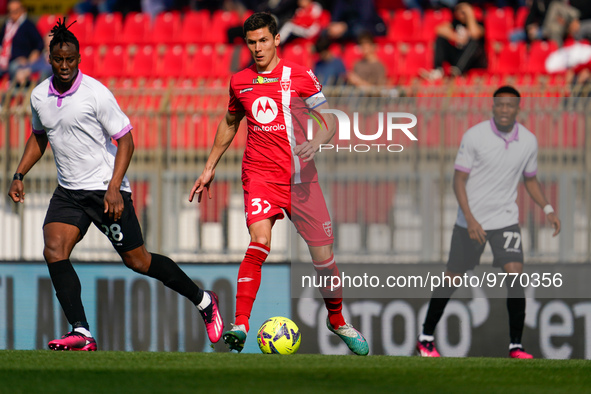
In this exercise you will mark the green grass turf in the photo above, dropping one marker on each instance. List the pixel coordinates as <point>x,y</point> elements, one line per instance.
<point>44,371</point>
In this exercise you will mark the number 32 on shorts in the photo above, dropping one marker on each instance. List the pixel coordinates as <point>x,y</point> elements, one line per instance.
<point>261,206</point>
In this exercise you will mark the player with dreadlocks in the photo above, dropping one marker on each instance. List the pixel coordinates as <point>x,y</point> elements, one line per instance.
<point>79,117</point>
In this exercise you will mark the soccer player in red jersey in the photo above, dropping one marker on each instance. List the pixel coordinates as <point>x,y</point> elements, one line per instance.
<point>278,171</point>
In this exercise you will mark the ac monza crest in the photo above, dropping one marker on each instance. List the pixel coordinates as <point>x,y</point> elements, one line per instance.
<point>285,84</point>
<point>327,226</point>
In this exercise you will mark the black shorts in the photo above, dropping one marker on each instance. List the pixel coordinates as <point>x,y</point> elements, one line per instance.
<point>82,207</point>
<point>465,253</point>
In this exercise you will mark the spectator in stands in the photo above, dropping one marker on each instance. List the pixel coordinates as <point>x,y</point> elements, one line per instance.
<point>535,19</point>
<point>123,6</point>
<point>282,10</point>
<point>305,23</point>
<point>581,28</point>
<point>511,3</point>
<point>369,71</point>
<point>351,18</point>
<point>21,42</point>
<point>561,20</point>
<point>329,69</point>
<point>95,6</point>
<point>459,43</point>
<point>210,5</point>
<point>41,66</point>
<point>154,7</point>
<point>443,3</point>
<point>555,20</point>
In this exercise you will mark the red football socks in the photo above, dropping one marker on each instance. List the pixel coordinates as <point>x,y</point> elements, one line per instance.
<point>249,281</point>
<point>333,299</point>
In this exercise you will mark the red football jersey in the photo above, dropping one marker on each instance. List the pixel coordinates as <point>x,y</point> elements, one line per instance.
<point>277,106</point>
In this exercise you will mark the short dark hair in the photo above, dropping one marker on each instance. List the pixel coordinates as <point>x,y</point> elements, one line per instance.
<point>365,36</point>
<point>259,20</point>
<point>507,89</point>
<point>61,35</point>
<point>322,44</point>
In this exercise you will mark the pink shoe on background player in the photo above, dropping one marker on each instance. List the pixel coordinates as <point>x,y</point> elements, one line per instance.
<point>74,341</point>
<point>427,349</point>
<point>518,352</point>
<point>212,318</point>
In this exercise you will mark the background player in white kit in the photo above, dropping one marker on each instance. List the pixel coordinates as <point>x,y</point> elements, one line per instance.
<point>79,116</point>
<point>492,158</point>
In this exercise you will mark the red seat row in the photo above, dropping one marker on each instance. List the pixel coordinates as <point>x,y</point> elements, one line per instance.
<point>201,61</point>
<point>409,26</point>
<point>217,61</point>
<point>409,59</point>
<point>138,28</point>
<point>200,27</point>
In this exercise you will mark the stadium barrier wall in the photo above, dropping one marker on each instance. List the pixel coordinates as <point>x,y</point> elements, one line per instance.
<point>127,311</point>
<point>130,312</point>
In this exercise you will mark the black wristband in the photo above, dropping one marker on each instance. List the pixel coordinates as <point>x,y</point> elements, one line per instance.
<point>18,177</point>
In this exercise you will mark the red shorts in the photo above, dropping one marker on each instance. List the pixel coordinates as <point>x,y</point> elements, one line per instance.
<point>303,203</point>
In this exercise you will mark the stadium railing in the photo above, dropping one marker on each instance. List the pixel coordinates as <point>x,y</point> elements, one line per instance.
<point>404,213</point>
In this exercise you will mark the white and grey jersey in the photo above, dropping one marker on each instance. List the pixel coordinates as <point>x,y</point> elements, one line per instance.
<point>496,161</point>
<point>80,124</point>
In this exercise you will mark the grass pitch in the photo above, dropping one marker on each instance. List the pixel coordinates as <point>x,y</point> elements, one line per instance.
<point>44,371</point>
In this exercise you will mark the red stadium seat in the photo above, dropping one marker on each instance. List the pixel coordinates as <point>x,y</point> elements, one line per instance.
<point>167,28</point>
<point>520,17</point>
<point>88,60</point>
<point>245,57</point>
<point>136,28</point>
<point>510,60</point>
<point>351,55</point>
<point>46,22</point>
<point>113,63</point>
<point>174,62</point>
<point>498,23</point>
<point>202,63</point>
<point>221,21</point>
<point>107,29</point>
<point>386,16</point>
<point>325,19</point>
<point>431,20</point>
<point>298,53</point>
<point>223,60</point>
<point>478,13</point>
<point>143,62</point>
<point>417,57</point>
<point>538,53</point>
<point>405,26</point>
<point>390,58</point>
<point>195,27</point>
<point>83,27</point>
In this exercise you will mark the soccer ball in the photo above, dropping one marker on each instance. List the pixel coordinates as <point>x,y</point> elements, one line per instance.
<point>279,335</point>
